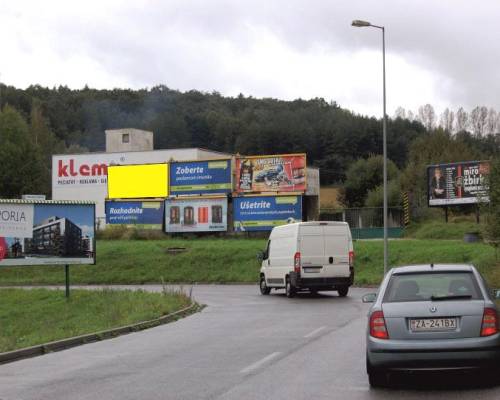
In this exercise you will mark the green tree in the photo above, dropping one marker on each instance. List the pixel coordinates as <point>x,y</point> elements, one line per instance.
<point>433,148</point>
<point>375,197</point>
<point>46,144</point>
<point>363,176</point>
<point>22,166</point>
<point>491,230</point>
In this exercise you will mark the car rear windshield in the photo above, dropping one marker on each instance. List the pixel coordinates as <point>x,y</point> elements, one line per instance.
<point>433,286</point>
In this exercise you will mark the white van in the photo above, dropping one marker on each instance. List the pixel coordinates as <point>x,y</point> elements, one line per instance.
<point>308,256</point>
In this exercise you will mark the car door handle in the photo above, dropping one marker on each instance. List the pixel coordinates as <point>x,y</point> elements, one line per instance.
<point>268,262</point>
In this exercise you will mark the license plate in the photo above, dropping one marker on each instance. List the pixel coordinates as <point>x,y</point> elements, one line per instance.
<point>312,269</point>
<point>433,324</point>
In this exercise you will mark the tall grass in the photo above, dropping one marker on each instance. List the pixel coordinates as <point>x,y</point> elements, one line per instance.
<point>30,317</point>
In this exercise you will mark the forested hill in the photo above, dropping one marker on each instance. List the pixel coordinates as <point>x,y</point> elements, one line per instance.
<point>62,119</point>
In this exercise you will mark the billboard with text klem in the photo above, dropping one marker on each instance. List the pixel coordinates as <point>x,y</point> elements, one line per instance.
<point>278,173</point>
<point>200,177</point>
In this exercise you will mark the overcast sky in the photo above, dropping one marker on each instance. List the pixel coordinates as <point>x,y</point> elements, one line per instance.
<point>440,52</point>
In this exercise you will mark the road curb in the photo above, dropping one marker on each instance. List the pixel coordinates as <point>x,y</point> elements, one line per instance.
<point>63,344</point>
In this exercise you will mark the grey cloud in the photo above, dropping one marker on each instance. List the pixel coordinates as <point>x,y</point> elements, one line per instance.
<point>452,39</point>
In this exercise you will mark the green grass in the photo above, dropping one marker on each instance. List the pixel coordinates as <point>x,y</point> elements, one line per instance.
<point>369,257</point>
<point>222,260</point>
<point>441,230</point>
<point>147,261</point>
<point>30,317</point>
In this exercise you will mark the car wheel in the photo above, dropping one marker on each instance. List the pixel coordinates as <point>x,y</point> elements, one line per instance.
<point>376,377</point>
<point>314,292</point>
<point>289,289</point>
<point>264,289</point>
<point>343,290</point>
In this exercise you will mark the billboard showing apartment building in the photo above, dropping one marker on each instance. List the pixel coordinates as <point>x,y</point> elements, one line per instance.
<point>458,183</point>
<point>46,233</point>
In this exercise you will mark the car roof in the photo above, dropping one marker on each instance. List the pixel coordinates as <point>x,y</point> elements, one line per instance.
<point>408,269</point>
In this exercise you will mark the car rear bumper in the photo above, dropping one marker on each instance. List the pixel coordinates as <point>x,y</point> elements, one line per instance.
<point>301,282</point>
<point>443,355</point>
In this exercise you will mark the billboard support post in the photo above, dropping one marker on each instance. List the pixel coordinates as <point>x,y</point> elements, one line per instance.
<point>66,270</point>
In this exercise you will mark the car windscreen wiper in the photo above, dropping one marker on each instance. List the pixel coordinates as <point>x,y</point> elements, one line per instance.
<point>451,297</point>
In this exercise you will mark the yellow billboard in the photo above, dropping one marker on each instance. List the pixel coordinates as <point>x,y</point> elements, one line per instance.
<point>137,181</point>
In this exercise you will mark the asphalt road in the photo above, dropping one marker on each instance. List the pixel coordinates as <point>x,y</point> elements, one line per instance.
<point>241,346</point>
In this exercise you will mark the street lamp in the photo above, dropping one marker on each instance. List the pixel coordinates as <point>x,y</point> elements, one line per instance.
<point>360,24</point>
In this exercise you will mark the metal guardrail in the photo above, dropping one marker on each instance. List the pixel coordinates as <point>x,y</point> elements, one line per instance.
<point>364,218</point>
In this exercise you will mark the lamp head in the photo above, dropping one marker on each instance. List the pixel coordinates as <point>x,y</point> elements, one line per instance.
<point>359,23</point>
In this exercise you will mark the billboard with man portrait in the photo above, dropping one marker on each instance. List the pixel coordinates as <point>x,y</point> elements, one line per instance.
<point>458,183</point>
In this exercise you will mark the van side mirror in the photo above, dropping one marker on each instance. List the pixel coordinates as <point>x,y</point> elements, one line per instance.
<point>495,293</point>
<point>369,298</point>
<point>261,256</point>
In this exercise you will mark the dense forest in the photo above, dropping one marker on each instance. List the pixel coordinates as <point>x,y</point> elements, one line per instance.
<point>37,122</point>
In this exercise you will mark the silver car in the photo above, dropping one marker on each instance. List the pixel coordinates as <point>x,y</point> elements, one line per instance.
<point>431,317</point>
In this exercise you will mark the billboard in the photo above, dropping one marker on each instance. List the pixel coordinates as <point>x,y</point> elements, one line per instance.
<point>137,181</point>
<point>458,183</point>
<point>85,176</point>
<point>196,214</point>
<point>143,214</point>
<point>46,233</point>
<point>279,173</point>
<point>263,213</point>
<point>200,177</point>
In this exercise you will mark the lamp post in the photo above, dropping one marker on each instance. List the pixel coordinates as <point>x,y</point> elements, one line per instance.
<point>362,24</point>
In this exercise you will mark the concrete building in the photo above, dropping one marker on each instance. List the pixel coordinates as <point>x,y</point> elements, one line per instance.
<point>84,176</point>
<point>311,203</point>
<point>128,139</point>
<point>55,236</point>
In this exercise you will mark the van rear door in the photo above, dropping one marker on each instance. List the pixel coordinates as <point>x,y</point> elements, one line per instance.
<point>325,250</point>
<point>338,243</point>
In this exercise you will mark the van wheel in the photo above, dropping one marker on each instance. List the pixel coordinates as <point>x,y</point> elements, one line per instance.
<point>289,289</point>
<point>264,289</point>
<point>343,290</point>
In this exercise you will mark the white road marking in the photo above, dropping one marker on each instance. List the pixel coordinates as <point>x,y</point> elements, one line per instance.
<point>314,332</point>
<point>259,363</point>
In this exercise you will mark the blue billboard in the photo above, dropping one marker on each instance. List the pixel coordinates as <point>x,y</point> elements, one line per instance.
<point>146,214</point>
<point>263,213</point>
<point>200,177</point>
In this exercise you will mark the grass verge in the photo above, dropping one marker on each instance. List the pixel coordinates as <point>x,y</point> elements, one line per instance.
<point>441,230</point>
<point>225,260</point>
<point>31,317</point>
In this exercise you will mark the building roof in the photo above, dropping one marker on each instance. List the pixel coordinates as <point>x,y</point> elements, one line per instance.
<point>145,151</point>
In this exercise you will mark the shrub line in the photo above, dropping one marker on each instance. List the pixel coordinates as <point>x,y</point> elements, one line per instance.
<point>64,344</point>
